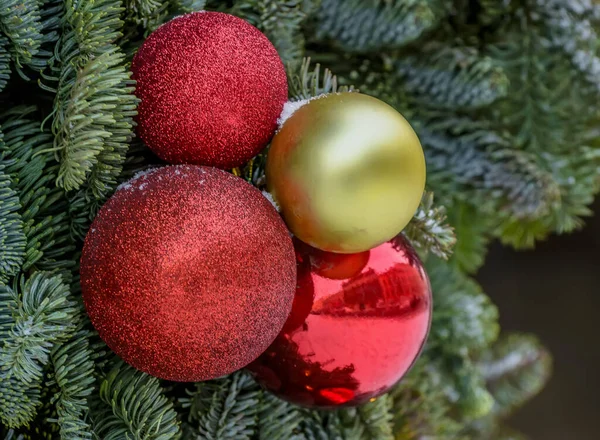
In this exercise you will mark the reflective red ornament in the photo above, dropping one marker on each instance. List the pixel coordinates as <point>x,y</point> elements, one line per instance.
<point>211,88</point>
<point>188,273</point>
<point>357,325</point>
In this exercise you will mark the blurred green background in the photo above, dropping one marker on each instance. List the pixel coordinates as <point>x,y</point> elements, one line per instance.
<point>553,292</point>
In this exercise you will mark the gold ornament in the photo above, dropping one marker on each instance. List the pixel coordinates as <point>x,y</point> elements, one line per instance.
<point>348,172</point>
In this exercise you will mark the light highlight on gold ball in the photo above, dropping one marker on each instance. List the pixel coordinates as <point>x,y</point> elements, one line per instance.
<point>348,172</point>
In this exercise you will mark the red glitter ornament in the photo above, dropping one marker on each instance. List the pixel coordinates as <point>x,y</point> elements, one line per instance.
<point>211,88</point>
<point>188,273</point>
<point>357,325</point>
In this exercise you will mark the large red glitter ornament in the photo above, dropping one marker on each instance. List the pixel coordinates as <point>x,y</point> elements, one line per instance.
<point>188,273</point>
<point>357,325</point>
<point>211,88</point>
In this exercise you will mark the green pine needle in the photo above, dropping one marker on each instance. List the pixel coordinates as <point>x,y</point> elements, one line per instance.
<point>132,406</point>
<point>12,237</point>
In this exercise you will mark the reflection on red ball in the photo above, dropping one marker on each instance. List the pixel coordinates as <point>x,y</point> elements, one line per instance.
<point>349,340</point>
<point>211,88</point>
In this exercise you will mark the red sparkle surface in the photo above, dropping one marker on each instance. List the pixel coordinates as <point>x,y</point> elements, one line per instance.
<point>211,88</point>
<point>188,273</point>
<point>349,339</point>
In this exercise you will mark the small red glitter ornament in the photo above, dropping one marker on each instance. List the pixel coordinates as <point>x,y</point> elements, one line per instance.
<point>211,88</point>
<point>188,273</point>
<point>357,325</point>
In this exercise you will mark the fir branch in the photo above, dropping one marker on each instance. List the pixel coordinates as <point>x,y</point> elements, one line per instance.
<point>19,402</point>
<point>428,229</point>
<point>43,317</point>
<point>492,11</point>
<point>4,62</point>
<point>186,6</point>
<point>281,22</point>
<point>74,375</point>
<point>33,168</point>
<point>451,77</point>
<point>469,161</point>
<point>472,236</point>
<point>225,409</point>
<point>149,14</point>
<point>278,420</point>
<point>308,83</point>
<point>550,112</point>
<point>364,26</point>
<point>516,368</point>
<point>20,21</point>
<point>422,408</point>
<point>12,237</point>
<point>132,405</point>
<point>321,425</point>
<point>571,27</point>
<point>472,399</point>
<point>371,421</point>
<point>464,318</point>
<point>31,323</point>
<point>84,115</point>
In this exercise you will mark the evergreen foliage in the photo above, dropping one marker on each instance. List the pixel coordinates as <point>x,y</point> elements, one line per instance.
<point>503,96</point>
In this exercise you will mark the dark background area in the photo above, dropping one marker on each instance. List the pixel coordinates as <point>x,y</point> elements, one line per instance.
<point>552,291</point>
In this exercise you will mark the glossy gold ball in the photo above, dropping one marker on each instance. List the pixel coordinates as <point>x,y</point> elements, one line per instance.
<point>347,171</point>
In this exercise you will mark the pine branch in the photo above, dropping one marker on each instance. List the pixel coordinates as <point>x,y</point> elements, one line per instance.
<point>464,319</point>
<point>74,375</point>
<point>429,231</point>
<point>364,26</point>
<point>225,409</point>
<point>132,405</point>
<point>451,77</point>
<point>12,237</point>
<point>309,83</point>
<point>516,368</point>
<point>20,21</point>
<point>4,62</point>
<point>33,168</point>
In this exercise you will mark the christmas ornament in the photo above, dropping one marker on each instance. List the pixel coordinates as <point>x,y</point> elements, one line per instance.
<point>349,339</point>
<point>348,172</point>
<point>188,273</point>
<point>211,88</point>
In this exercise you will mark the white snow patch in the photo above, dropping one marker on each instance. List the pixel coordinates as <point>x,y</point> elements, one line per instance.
<point>270,198</point>
<point>290,107</point>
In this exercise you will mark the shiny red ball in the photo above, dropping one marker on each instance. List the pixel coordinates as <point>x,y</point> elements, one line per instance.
<point>211,88</point>
<point>188,273</point>
<point>353,332</point>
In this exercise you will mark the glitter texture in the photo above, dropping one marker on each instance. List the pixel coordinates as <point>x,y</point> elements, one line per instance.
<point>211,88</point>
<point>188,273</point>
